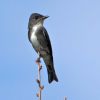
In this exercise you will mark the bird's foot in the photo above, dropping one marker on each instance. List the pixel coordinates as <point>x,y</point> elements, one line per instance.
<point>38,60</point>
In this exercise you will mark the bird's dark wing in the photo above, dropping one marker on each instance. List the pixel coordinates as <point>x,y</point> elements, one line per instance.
<point>43,39</point>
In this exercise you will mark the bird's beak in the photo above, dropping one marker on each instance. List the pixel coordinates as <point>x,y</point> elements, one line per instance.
<point>45,17</point>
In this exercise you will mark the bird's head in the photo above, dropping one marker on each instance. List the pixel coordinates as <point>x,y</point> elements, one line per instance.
<point>36,18</point>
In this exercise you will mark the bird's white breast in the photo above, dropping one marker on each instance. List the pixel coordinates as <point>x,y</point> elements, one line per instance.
<point>33,35</point>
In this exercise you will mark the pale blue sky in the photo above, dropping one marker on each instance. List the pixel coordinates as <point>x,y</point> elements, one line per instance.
<point>74,30</point>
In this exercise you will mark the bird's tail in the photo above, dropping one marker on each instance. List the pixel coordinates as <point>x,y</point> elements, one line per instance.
<point>51,75</point>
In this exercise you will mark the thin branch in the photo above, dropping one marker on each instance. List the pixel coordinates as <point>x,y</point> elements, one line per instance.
<point>39,94</point>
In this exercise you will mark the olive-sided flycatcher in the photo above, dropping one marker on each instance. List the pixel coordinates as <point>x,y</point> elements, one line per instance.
<point>40,41</point>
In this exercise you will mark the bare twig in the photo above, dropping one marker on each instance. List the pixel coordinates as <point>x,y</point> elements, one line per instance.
<point>39,94</point>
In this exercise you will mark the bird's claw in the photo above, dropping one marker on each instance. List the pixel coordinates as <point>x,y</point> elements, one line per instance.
<point>38,60</point>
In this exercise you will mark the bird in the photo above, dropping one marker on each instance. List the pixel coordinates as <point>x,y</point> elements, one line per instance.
<point>39,38</point>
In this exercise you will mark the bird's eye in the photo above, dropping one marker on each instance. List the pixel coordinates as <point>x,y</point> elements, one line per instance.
<point>36,17</point>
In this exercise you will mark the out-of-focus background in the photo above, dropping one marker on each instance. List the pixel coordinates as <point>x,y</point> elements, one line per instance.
<point>74,30</point>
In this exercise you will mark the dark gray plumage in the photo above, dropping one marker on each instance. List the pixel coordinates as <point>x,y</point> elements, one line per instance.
<point>40,41</point>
